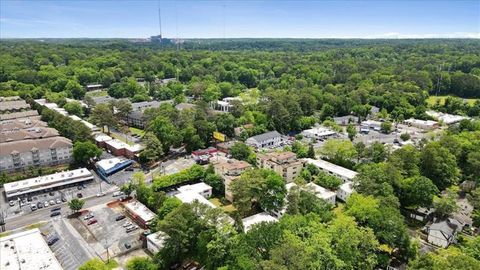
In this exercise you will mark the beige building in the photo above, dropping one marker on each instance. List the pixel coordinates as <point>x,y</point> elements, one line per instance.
<point>285,164</point>
<point>230,171</point>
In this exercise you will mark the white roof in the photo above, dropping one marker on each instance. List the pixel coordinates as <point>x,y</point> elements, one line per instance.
<point>107,164</point>
<point>223,103</point>
<point>197,188</point>
<point>248,222</point>
<point>191,196</point>
<point>421,122</point>
<point>338,170</point>
<point>117,144</point>
<point>290,186</point>
<point>102,137</point>
<point>319,131</point>
<point>158,238</point>
<point>346,187</point>
<point>140,210</point>
<point>29,252</point>
<point>372,123</point>
<point>321,192</point>
<point>43,182</point>
<point>445,117</point>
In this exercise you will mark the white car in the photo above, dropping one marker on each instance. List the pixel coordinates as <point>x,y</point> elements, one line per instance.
<point>45,204</point>
<point>101,194</point>
<point>128,223</point>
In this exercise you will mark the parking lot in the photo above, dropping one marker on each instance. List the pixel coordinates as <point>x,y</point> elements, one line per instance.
<point>68,247</point>
<point>178,165</point>
<point>54,198</point>
<point>100,229</point>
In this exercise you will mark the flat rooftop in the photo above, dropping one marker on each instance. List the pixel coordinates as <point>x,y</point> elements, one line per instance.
<point>248,222</point>
<point>338,170</point>
<point>321,192</point>
<point>27,251</point>
<point>140,210</point>
<point>198,188</point>
<point>47,181</point>
<point>191,196</point>
<point>107,164</point>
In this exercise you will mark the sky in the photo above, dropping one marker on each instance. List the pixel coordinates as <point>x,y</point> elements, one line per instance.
<point>240,19</point>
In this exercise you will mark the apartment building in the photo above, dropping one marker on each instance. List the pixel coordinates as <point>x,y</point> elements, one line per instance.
<point>28,133</point>
<point>285,164</point>
<point>229,171</point>
<point>22,154</point>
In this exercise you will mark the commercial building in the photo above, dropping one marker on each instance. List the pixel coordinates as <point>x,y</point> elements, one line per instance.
<point>285,164</point>
<point>119,148</point>
<point>22,154</point>
<point>27,134</point>
<point>345,190</point>
<point>447,119</point>
<point>318,133</point>
<point>107,167</point>
<point>271,139</point>
<point>322,193</point>
<point>259,218</point>
<point>345,120</point>
<point>101,139</point>
<point>333,169</point>
<point>422,124</point>
<point>41,184</point>
<point>229,171</point>
<point>31,114</point>
<point>156,241</point>
<point>27,250</point>
<point>139,212</point>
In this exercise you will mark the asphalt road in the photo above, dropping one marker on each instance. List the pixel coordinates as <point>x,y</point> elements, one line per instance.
<point>44,213</point>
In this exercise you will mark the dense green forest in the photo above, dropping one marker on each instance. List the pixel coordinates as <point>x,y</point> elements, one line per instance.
<point>286,85</point>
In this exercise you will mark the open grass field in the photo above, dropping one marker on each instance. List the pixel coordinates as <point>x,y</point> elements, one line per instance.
<point>137,131</point>
<point>433,99</point>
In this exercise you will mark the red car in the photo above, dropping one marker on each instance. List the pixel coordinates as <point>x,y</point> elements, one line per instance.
<point>91,221</point>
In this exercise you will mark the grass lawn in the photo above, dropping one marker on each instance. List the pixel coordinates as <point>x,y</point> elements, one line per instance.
<point>112,264</point>
<point>433,99</point>
<point>218,203</point>
<point>101,93</point>
<point>137,131</point>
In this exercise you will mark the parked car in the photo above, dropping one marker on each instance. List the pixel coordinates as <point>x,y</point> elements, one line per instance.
<point>64,199</point>
<point>33,207</point>
<point>58,201</point>
<point>118,218</point>
<point>91,221</point>
<point>127,245</point>
<point>126,224</point>
<point>131,229</point>
<point>118,193</point>
<point>79,187</point>
<point>52,202</point>
<point>11,203</point>
<point>54,214</point>
<point>58,208</point>
<point>29,199</point>
<point>45,204</point>
<point>88,216</point>
<point>79,195</point>
<point>39,205</point>
<point>83,186</point>
<point>52,193</point>
<point>52,240</point>
<point>101,194</point>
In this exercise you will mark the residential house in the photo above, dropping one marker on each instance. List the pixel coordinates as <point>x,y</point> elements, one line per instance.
<point>443,232</point>
<point>256,219</point>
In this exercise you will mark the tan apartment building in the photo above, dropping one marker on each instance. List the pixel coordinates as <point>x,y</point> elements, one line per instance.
<point>285,164</point>
<point>229,171</point>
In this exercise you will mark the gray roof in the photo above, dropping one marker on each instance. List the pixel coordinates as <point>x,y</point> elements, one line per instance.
<point>448,227</point>
<point>102,99</point>
<point>140,106</point>
<point>266,136</point>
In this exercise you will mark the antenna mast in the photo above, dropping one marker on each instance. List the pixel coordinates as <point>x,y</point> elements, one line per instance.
<point>160,20</point>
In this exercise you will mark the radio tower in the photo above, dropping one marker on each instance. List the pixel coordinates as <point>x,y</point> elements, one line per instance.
<point>160,21</point>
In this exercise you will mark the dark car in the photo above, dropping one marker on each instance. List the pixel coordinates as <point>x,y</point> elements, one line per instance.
<point>127,245</point>
<point>79,195</point>
<point>58,208</point>
<point>129,169</point>
<point>51,193</point>
<point>64,199</point>
<point>54,214</point>
<point>52,240</point>
<point>79,187</point>
<point>120,217</point>
<point>29,199</point>
<point>91,221</point>
<point>39,205</point>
